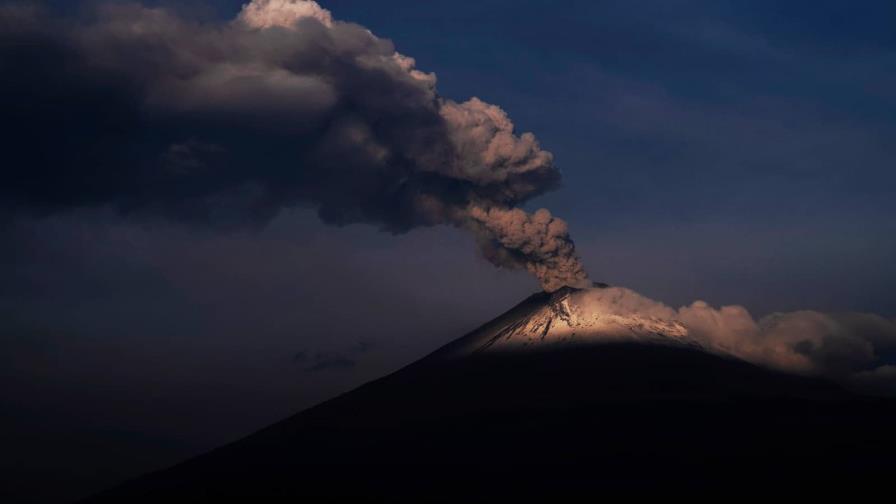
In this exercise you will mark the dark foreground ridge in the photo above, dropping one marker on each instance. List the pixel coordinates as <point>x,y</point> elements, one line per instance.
<point>575,422</point>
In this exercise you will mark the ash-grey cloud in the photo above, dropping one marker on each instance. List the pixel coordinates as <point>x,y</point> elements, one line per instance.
<point>227,124</point>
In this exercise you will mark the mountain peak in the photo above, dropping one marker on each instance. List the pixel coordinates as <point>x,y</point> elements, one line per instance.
<point>542,411</point>
<point>571,317</point>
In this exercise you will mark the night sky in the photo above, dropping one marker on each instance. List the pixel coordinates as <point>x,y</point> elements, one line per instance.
<point>735,152</point>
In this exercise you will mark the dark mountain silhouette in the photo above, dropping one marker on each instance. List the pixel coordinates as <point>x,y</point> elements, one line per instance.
<point>520,410</point>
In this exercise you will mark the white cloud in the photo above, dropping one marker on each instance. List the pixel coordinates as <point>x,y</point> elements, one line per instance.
<point>282,13</point>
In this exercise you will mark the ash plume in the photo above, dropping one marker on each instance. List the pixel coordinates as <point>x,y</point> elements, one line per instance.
<point>538,243</point>
<point>227,124</point>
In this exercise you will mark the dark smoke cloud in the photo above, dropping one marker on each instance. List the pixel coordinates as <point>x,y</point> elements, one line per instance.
<point>538,242</point>
<point>227,124</point>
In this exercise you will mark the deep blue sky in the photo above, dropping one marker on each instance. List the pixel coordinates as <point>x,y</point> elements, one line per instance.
<point>737,152</point>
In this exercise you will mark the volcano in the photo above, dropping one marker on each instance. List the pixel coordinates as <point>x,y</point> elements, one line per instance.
<point>555,399</point>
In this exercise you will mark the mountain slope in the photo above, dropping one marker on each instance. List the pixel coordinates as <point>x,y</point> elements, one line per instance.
<point>522,408</point>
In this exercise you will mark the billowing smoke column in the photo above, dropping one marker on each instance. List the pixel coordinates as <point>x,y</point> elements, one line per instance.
<point>539,243</point>
<point>227,124</point>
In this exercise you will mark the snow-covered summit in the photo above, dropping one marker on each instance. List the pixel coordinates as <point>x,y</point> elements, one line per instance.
<point>571,317</point>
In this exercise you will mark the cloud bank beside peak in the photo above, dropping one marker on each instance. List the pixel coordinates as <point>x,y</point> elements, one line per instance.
<point>857,349</point>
